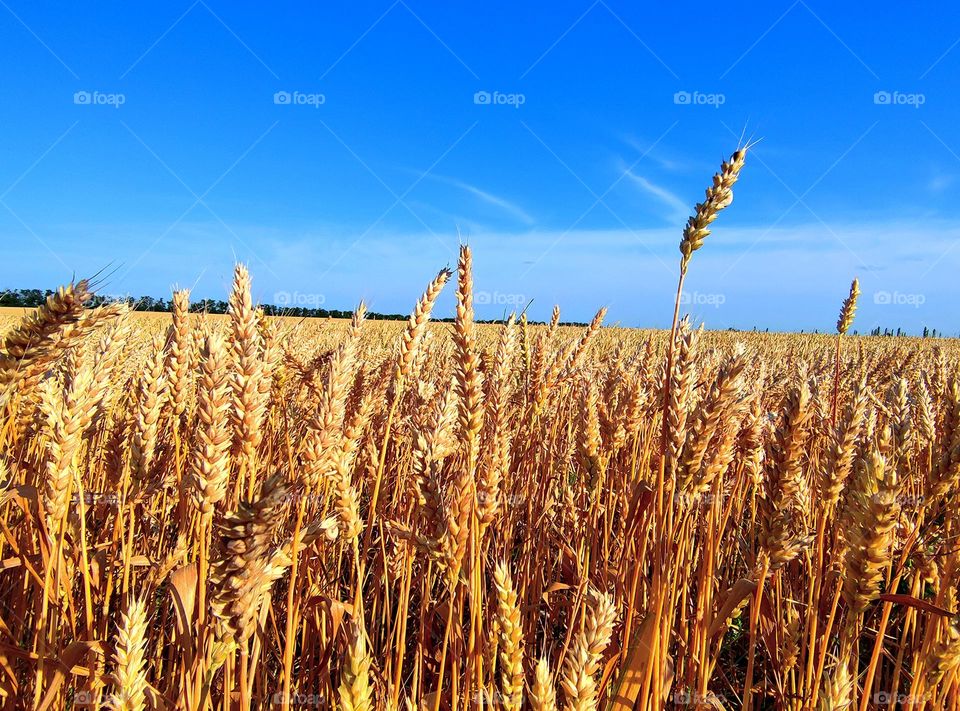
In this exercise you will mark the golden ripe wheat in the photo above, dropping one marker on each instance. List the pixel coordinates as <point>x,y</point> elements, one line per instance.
<point>248,512</point>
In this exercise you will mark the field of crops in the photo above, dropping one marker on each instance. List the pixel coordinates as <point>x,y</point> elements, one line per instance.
<point>250,512</point>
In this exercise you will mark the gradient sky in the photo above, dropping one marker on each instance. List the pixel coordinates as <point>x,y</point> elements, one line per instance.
<point>150,138</point>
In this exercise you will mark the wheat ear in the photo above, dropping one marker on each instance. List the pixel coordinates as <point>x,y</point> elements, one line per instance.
<point>718,196</point>
<point>583,661</point>
<point>849,309</point>
<point>543,693</point>
<point>355,692</point>
<point>511,638</point>
<point>35,336</point>
<point>129,657</point>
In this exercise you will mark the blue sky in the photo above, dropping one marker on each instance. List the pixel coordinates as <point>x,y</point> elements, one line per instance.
<point>338,151</point>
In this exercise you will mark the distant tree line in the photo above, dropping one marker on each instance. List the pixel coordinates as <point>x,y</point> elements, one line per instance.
<point>927,332</point>
<point>34,297</point>
<point>31,298</point>
<point>889,332</point>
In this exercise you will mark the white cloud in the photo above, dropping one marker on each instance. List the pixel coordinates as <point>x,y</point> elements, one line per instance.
<point>788,277</point>
<point>939,183</point>
<point>657,154</point>
<point>678,208</point>
<point>501,203</point>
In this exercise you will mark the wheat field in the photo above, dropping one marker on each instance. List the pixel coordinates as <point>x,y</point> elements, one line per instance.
<point>249,512</point>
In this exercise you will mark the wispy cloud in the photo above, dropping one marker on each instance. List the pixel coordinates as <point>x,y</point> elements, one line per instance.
<point>678,208</point>
<point>450,220</point>
<point>939,183</point>
<point>656,154</point>
<point>791,276</point>
<point>502,203</point>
